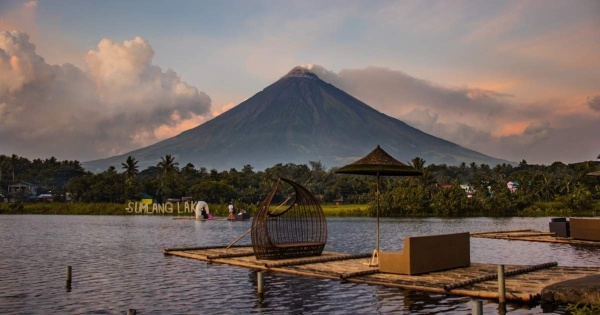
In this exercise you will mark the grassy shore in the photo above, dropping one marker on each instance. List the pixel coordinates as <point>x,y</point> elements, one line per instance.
<point>346,210</point>
<point>539,209</point>
<point>122,209</point>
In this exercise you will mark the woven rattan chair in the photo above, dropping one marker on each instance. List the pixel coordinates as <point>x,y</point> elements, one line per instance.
<point>300,230</point>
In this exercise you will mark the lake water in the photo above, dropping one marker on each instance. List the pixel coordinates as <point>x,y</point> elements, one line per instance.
<point>118,264</point>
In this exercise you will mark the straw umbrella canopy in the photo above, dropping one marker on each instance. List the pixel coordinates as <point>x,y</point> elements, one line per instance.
<point>378,163</point>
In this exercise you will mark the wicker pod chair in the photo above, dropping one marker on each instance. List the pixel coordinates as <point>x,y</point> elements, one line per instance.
<point>300,230</point>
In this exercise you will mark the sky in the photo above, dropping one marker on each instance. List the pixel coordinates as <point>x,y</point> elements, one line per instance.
<point>83,80</point>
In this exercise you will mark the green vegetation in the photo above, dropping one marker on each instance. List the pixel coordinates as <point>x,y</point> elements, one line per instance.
<point>577,309</point>
<point>554,190</point>
<point>356,210</point>
<point>219,210</point>
<point>62,208</point>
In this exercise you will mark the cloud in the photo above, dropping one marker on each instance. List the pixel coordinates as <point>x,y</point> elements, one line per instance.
<point>218,111</point>
<point>398,94</point>
<point>387,88</point>
<point>31,4</point>
<point>594,103</point>
<point>537,129</point>
<point>484,120</point>
<point>122,101</point>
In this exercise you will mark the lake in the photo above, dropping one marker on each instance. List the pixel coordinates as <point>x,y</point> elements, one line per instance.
<point>118,264</point>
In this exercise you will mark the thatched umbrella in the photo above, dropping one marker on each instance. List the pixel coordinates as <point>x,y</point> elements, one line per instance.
<point>378,163</point>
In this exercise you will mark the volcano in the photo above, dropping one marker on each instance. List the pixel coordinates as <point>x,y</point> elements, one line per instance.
<point>297,119</point>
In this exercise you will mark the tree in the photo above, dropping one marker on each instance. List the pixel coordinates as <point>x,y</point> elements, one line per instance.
<point>167,164</point>
<point>13,163</point>
<point>545,189</point>
<point>130,167</point>
<point>2,159</point>
<point>316,165</point>
<point>523,163</point>
<point>213,192</point>
<point>418,163</point>
<point>131,188</point>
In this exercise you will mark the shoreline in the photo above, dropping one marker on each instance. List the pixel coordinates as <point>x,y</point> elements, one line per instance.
<point>348,210</point>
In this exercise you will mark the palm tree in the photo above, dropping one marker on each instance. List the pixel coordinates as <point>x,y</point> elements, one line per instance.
<point>565,187</point>
<point>13,162</point>
<point>130,167</point>
<point>167,164</point>
<point>2,159</point>
<point>523,163</point>
<point>546,189</point>
<point>418,163</point>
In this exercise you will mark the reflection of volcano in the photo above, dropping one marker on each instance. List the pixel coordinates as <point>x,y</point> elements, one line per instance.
<point>298,119</point>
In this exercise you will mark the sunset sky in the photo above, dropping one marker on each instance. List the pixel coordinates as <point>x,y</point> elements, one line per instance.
<point>91,79</point>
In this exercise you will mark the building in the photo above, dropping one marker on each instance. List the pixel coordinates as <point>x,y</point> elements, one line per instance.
<point>22,190</point>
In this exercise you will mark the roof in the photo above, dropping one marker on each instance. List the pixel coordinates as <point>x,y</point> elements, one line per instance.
<point>379,162</point>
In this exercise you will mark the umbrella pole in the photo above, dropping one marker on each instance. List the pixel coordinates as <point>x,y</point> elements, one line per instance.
<point>375,257</point>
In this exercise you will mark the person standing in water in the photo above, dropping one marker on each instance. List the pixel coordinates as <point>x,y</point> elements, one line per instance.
<point>231,215</point>
<point>201,210</point>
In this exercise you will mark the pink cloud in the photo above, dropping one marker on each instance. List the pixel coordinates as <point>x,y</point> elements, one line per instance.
<point>121,102</point>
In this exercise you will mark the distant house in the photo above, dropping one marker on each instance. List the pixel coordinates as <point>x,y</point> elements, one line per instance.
<point>23,189</point>
<point>470,190</point>
<point>45,197</point>
<point>338,201</point>
<point>513,185</point>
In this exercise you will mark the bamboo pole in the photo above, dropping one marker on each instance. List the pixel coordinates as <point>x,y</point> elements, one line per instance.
<point>500,232</point>
<point>501,285</point>
<point>68,280</point>
<point>306,274</point>
<point>477,307</point>
<point>492,276</point>
<point>239,238</point>
<point>246,264</point>
<point>229,255</point>
<point>181,249</point>
<point>259,282</point>
<point>345,276</point>
<point>520,297</point>
<point>375,257</point>
<point>315,260</point>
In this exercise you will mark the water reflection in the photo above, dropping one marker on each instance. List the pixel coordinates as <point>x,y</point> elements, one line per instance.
<point>118,264</point>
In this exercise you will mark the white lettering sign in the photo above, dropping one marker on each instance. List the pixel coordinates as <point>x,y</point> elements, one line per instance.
<point>160,208</point>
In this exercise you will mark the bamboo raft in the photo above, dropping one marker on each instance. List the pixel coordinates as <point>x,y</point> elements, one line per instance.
<point>523,283</point>
<point>533,236</point>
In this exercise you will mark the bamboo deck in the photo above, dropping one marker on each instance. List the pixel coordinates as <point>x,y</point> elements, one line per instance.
<point>533,236</point>
<point>523,283</point>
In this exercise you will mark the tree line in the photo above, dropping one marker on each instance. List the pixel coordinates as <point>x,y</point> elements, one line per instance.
<point>437,193</point>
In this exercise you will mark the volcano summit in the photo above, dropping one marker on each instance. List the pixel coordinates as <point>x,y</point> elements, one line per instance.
<point>298,119</point>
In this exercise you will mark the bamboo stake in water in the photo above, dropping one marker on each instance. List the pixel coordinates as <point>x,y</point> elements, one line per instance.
<point>259,282</point>
<point>477,307</point>
<point>68,284</point>
<point>501,284</point>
